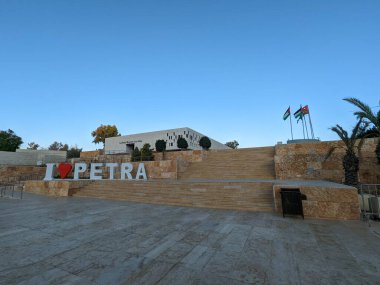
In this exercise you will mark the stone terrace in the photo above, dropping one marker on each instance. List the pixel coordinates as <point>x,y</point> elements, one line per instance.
<point>75,240</point>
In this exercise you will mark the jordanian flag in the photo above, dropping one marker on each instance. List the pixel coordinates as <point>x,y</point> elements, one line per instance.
<point>287,114</point>
<point>299,114</point>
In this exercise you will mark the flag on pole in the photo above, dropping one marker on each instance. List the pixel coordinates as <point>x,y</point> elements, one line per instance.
<point>305,110</point>
<point>299,114</point>
<point>287,114</point>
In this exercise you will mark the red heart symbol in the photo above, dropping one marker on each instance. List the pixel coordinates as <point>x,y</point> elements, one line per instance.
<point>64,169</point>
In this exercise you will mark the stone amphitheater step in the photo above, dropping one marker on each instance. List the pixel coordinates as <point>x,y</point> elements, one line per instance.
<point>250,196</point>
<point>252,163</point>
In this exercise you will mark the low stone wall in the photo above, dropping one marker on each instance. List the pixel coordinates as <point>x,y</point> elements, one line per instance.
<point>91,153</point>
<point>54,188</point>
<point>188,155</point>
<point>165,169</point>
<point>12,173</point>
<point>310,162</point>
<point>338,202</point>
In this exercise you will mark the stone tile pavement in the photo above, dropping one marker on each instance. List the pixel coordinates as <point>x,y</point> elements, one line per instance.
<point>75,240</point>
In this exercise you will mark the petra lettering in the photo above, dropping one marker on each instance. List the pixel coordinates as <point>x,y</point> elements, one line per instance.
<point>96,171</point>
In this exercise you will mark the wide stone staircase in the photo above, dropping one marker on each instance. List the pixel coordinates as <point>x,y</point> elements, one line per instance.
<point>225,179</point>
<point>250,163</point>
<point>249,196</point>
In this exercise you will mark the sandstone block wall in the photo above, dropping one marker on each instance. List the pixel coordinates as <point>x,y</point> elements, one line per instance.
<point>324,202</point>
<point>12,173</point>
<point>310,162</point>
<point>188,155</point>
<point>165,169</point>
<point>91,154</point>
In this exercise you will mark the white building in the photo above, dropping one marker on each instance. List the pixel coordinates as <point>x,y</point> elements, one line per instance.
<point>126,144</point>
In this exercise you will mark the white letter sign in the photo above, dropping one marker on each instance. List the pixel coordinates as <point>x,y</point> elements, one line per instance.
<point>95,169</point>
<point>79,168</point>
<point>49,171</point>
<point>141,172</point>
<point>126,169</point>
<point>112,167</point>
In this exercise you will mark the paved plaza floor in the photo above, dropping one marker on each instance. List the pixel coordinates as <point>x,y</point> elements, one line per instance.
<point>73,240</point>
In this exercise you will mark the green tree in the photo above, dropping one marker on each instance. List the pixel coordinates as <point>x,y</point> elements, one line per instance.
<point>160,145</point>
<point>136,154</point>
<point>147,153</point>
<point>182,144</point>
<point>9,141</point>
<point>33,145</point>
<point>58,146</point>
<point>365,112</point>
<point>103,132</point>
<point>350,159</point>
<point>205,143</point>
<point>369,133</point>
<point>233,144</point>
<point>74,152</point>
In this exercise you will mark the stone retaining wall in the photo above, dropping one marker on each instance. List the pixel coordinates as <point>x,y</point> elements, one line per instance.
<point>13,172</point>
<point>310,162</point>
<point>91,153</point>
<point>324,202</point>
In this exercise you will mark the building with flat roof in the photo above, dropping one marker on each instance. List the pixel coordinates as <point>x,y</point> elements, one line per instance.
<point>126,144</point>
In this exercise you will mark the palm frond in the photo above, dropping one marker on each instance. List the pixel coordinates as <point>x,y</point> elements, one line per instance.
<point>341,133</point>
<point>329,153</point>
<point>355,134</point>
<point>366,111</point>
<point>359,129</point>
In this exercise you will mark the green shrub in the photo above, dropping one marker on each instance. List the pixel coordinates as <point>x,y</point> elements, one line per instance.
<point>147,153</point>
<point>205,143</point>
<point>136,155</point>
<point>160,145</point>
<point>74,152</point>
<point>182,144</point>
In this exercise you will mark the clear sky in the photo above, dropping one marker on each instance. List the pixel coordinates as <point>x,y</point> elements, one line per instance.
<point>228,69</point>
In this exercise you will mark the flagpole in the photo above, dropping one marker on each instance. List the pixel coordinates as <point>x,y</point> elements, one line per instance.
<point>303,127</point>
<point>311,126</point>
<point>307,131</point>
<point>291,125</point>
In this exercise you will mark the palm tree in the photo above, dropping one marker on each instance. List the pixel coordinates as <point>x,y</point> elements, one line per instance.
<point>350,159</point>
<point>367,113</point>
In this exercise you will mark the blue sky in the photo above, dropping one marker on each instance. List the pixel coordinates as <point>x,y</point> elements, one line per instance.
<point>228,69</point>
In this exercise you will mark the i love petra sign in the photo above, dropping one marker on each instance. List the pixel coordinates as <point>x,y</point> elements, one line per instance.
<point>96,171</point>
